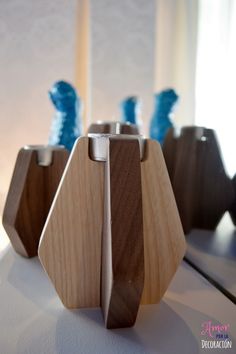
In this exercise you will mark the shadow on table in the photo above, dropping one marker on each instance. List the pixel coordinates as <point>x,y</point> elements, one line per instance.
<point>21,273</point>
<point>159,329</point>
<point>167,328</point>
<point>213,253</point>
<point>218,243</point>
<point>164,328</point>
<point>215,244</point>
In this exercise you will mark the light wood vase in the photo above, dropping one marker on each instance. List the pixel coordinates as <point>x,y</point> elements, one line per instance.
<point>113,237</point>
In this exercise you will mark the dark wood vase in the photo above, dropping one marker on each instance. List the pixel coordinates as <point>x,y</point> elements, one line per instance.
<point>35,179</point>
<point>202,189</point>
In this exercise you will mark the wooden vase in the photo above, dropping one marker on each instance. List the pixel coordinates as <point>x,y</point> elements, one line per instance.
<point>37,173</point>
<point>113,237</point>
<point>202,189</point>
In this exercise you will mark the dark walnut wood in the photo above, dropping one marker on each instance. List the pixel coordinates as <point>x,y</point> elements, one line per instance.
<point>202,189</point>
<point>29,198</point>
<point>232,208</point>
<point>123,249</point>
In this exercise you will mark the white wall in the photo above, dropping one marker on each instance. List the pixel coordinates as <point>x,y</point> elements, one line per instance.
<point>122,55</point>
<point>37,48</point>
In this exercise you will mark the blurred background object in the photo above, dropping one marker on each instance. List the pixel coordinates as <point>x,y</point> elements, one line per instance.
<point>130,110</point>
<point>161,121</point>
<point>66,126</point>
<point>232,208</point>
<point>203,191</point>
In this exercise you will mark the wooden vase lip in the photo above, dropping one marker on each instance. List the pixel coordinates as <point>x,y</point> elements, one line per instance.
<point>114,127</point>
<point>44,153</point>
<point>197,132</point>
<point>38,147</point>
<point>98,144</point>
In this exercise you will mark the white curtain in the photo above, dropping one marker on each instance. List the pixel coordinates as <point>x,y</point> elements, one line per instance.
<point>176,44</point>
<point>216,74</point>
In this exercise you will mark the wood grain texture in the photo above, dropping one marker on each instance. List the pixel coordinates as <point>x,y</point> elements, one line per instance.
<point>164,242</point>
<point>123,253</point>
<point>70,246</point>
<point>169,148</point>
<point>202,189</point>
<point>29,198</point>
<point>182,169</point>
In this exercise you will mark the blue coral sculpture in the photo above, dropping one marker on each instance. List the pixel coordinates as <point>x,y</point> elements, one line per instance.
<point>161,119</point>
<point>66,126</point>
<point>129,110</point>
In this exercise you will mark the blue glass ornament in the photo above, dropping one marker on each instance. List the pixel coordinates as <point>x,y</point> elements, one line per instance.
<point>161,119</point>
<point>66,126</point>
<point>129,110</point>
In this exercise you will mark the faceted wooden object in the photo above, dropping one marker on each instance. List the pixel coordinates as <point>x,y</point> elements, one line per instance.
<point>202,189</point>
<point>113,237</point>
<point>35,179</point>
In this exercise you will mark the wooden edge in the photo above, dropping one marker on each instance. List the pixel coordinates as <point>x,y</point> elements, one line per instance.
<point>123,254</point>
<point>164,241</point>
<point>23,161</point>
<point>70,244</point>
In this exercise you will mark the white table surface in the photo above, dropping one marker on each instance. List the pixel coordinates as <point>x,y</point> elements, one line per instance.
<point>214,253</point>
<point>33,320</point>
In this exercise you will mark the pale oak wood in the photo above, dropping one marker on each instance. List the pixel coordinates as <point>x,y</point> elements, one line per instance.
<point>164,242</point>
<point>123,253</point>
<point>70,246</point>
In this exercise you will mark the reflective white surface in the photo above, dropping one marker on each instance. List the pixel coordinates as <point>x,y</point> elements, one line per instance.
<point>214,252</point>
<point>34,321</point>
